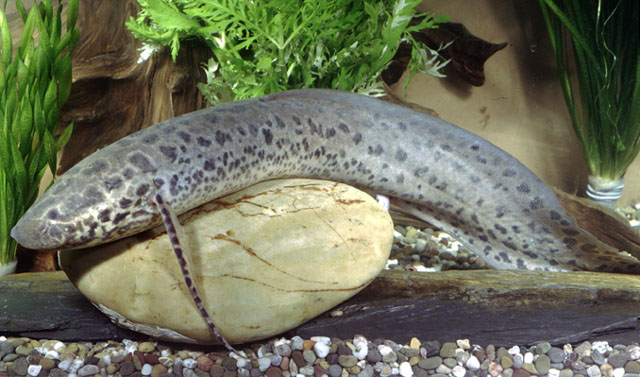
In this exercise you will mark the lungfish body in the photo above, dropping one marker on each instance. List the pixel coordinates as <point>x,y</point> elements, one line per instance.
<point>434,170</point>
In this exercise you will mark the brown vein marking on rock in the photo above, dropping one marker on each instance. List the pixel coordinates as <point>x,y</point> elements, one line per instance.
<point>314,290</point>
<point>349,202</point>
<point>248,250</point>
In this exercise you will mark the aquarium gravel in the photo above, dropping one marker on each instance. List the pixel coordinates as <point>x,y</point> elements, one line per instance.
<point>429,250</point>
<point>319,357</point>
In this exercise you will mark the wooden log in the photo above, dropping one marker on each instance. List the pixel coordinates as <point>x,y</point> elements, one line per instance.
<point>45,305</point>
<point>487,307</point>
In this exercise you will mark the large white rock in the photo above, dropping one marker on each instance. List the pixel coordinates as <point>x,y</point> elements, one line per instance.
<point>267,259</point>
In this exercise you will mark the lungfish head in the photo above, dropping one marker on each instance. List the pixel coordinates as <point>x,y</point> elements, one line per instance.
<point>93,203</point>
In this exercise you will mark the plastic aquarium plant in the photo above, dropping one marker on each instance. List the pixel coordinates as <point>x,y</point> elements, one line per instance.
<point>267,46</point>
<point>603,36</point>
<point>35,82</point>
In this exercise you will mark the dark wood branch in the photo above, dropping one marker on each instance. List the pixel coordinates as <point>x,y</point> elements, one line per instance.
<point>488,307</point>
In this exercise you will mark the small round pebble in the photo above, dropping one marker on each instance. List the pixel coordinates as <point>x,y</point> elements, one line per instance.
<point>146,370</point>
<point>430,363</point>
<point>88,370</point>
<point>309,356</point>
<point>20,366</point>
<point>405,369</point>
<point>335,370</point>
<point>347,361</point>
<point>448,350</point>
<point>543,364</point>
<point>374,356</point>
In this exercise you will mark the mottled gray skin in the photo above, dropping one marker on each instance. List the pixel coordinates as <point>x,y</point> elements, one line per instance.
<point>441,173</point>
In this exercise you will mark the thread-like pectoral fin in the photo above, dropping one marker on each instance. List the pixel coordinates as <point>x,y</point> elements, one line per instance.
<point>183,253</point>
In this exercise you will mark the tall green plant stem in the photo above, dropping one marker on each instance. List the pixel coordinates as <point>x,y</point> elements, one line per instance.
<point>35,82</point>
<point>602,38</point>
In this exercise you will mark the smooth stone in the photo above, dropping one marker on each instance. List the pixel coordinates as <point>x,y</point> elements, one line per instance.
<point>618,360</point>
<point>146,347</point>
<point>543,364</point>
<point>268,258</point>
<point>335,370</point>
<point>632,367</point>
<point>347,361</point>
<point>448,350</point>
<point>20,366</point>
<point>309,356</point>
<point>556,355</point>
<point>542,348</point>
<point>430,363</point>
<point>88,370</point>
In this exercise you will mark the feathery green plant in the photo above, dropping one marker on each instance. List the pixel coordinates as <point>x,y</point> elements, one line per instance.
<point>34,84</point>
<point>267,46</point>
<point>606,53</point>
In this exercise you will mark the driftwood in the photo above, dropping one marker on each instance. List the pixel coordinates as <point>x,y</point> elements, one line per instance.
<point>487,307</point>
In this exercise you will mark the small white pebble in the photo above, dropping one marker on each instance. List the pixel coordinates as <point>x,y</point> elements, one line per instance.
<point>618,372</point>
<point>384,349</point>
<point>191,363</point>
<point>601,346</point>
<point>528,358</point>
<point>75,365</point>
<point>513,350</point>
<point>130,345</point>
<point>241,361</point>
<point>463,343</point>
<point>3,338</point>
<point>458,371</point>
<point>443,369</point>
<point>321,350</point>
<point>146,370</point>
<point>567,348</point>
<point>321,339</point>
<point>106,359</point>
<point>53,355</point>
<point>34,370</point>
<point>634,353</point>
<point>553,372</point>
<point>394,370</point>
<point>405,369</point>
<point>473,363</point>
<point>594,371</point>
<point>165,353</point>
<point>296,343</point>
<point>65,365</point>
<point>264,351</point>
<point>517,360</point>
<point>264,363</point>
<point>361,347</point>
<point>59,346</point>
<point>383,201</point>
<point>461,356</point>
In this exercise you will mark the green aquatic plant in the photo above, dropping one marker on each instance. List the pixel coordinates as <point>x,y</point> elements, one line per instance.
<point>267,46</point>
<point>601,39</point>
<point>35,82</point>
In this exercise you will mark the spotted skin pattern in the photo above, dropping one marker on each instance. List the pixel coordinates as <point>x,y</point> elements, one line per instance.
<point>434,170</point>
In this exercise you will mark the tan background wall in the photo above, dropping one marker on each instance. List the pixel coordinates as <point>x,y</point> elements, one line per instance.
<point>520,108</point>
